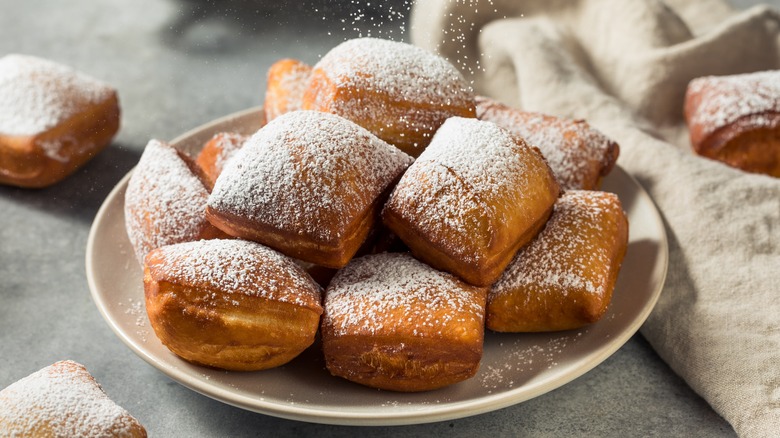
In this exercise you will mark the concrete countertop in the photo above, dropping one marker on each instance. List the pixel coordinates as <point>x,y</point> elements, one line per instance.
<point>178,64</point>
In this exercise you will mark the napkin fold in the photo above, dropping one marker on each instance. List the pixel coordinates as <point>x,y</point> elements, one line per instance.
<point>624,66</point>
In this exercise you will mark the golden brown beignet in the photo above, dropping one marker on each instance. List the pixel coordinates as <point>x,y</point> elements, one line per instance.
<point>736,120</point>
<point>472,199</point>
<point>165,201</point>
<point>565,277</point>
<point>63,400</point>
<point>309,184</point>
<point>230,304</point>
<point>392,322</point>
<point>52,120</point>
<point>579,155</point>
<point>216,153</point>
<point>287,80</point>
<point>399,92</point>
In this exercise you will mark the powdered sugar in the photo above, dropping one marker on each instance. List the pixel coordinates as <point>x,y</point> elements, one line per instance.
<point>405,72</point>
<point>446,192</point>
<point>165,202</point>
<point>228,143</point>
<point>387,288</point>
<point>307,173</point>
<point>236,267</point>
<point>285,95</point>
<point>570,253</point>
<point>66,400</point>
<point>723,100</point>
<point>38,94</point>
<point>409,90</point>
<point>575,152</point>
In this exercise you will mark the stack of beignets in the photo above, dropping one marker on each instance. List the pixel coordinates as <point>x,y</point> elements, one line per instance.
<point>399,92</point>
<point>230,304</point>
<point>309,184</point>
<point>53,120</point>
<point>579,155</point>
<point>736,120</point>
<point>475,229</point>
<point>165,201</point>
<point>63,400</point>
<point>472,199</point>
<point>393,322</point>
<point>565,277</point>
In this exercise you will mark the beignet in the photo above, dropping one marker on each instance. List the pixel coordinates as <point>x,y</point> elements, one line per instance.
<point>309,184</point>
<point>564,278</point>
<point>579,155</point>
<point>392,322</point>
<point>165,201</point>
<point>736,120</point>
<point>216,153</point>
<point>399,92</point>
<point>286,82</point>
<point>230,304</point>
<point>63,400</point>
<point>472,199</point>
<point>53,120</point>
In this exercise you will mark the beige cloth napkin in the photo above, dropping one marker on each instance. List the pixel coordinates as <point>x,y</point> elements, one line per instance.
<point>624,65</point>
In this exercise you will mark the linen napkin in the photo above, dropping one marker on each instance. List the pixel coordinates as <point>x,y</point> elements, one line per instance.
<point>624,66</point>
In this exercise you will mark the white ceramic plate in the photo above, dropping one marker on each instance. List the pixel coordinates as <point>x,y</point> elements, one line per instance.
<point>514,368</point>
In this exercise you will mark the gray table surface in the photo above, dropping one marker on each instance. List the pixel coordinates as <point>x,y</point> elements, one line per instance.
<point>178,64</point>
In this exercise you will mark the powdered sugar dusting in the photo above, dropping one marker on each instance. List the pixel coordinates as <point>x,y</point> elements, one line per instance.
<point>226,144</point>
<point>387,288</point>
<point>406,72</point>
<point>65,399</point>
<point>415,90</point>
<point>576,152</point>
<point>519,358</point>
<point>165,202</point>
<point>569,254</point>
<point>38,94</point>
<point>235,267</point>
<point>469,161</point>
<point>723,100</point>
<point>289,78</point>
<point>307,169</point>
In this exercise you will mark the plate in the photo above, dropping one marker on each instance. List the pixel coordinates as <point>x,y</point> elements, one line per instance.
<point>514,368</point>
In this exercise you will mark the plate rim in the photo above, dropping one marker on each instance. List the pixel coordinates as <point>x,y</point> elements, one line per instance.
<point>443,412</point>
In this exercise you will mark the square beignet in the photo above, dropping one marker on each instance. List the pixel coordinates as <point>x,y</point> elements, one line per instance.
<point>399,92</point>
<point>285,84</point>
<point>392,322</point>
<point>735,119</point>
<point>216,153</point>
<point>579,155</point>
<point>53,120</point>
<point>472,199</point>
<point>308,184</point>
<point>63,400</point>
<point>230,304</point>
<point>165,201</point>
<point>564,278</point>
